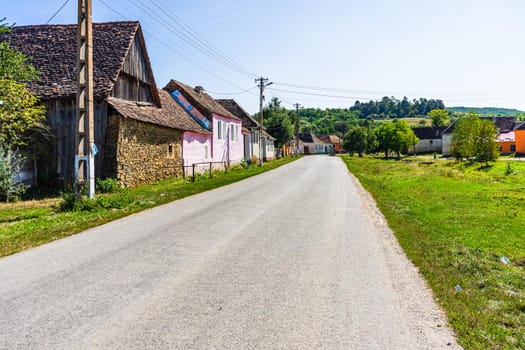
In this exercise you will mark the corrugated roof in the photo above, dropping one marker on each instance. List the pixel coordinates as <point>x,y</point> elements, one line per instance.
<point>171,115</point>
<point>52,49</point>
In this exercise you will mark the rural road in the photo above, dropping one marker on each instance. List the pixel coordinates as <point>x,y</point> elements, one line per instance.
<point>296,258</point>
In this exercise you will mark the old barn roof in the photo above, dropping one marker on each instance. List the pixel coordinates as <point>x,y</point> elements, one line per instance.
<point>200,100</point>
<point>171,115</point>
<point>232,106</point>
<point>53,51</point>
<point>429,132</point>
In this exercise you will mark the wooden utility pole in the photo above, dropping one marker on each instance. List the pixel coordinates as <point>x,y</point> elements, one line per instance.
<point>262,84</point>
<point>296,129</point>
<point>85,137</point>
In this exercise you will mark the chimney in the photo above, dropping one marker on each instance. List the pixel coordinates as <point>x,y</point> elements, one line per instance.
<point>198,89</point>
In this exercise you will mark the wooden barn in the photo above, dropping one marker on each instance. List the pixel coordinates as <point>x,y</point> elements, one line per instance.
<point>122,71</point>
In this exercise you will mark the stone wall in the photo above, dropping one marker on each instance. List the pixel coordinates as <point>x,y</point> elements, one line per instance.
<point>144,152</point>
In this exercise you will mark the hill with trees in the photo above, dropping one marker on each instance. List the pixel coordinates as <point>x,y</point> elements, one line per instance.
<point>493,111</point>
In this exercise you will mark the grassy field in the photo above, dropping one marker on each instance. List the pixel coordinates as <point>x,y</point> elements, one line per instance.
<point>30,223</point>
<point>413,122</point>
<point>457,222</point>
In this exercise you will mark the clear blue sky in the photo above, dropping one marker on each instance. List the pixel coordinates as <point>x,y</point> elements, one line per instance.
<point>466,52</point>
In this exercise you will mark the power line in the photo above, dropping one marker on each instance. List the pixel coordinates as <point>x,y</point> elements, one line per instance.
<point>232,93</point>
<point>169,26</point>
<point>171,48</point>
<point>188,29</point>
<point>316,94</point>
<point>57,12</point>
<point>385,92</point>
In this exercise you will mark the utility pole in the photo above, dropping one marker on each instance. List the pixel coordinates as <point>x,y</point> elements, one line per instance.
<point>85,136</point>
<point>296,130</point>
<point>263,82</point>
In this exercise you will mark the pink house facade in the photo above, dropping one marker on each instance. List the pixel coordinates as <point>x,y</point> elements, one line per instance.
<point>224,144</point>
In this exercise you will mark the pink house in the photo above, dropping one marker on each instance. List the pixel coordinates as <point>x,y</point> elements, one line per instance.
<point>225,144</point>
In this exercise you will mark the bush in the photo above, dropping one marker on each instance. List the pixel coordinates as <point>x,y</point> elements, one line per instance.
<point>10,165</point>
<point>117,201</point>
<point>108,185</point>
<point>74,202</point>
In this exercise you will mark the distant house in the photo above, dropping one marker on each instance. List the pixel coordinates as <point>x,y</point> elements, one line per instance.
<point>509,136</point>
<point>137,131</point>
<point>333,140</point>
<point>430,140</point>
<point>308,143</point>
<point>507,142</point>
<point>226,129</point>
<point>519,138</point>
<point>446,140</point>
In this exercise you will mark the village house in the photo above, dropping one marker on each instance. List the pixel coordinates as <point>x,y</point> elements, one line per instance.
<point>249,125</point>
<point>333,140</point>
<point>226,140</point>
<point>138,140</point>
<point>430,140</point>
<point>519,138</point>
<point>251,132</point>
<point>309,143</point>
<point>509,137</point>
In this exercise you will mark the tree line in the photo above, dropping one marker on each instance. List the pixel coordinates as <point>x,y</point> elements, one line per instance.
<point>390,108</point>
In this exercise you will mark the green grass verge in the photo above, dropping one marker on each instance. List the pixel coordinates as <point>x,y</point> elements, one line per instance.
<point>455,221</point>
<point>28,224</point>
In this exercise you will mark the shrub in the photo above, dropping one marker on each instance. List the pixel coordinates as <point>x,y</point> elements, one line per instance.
<point>108,185</point>
<point>10,165</point>
<point>116,201</point>
<point>74,202</point>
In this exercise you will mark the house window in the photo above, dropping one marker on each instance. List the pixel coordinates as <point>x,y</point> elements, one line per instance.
<point>171,151</point>
<point>219,129</point>
<point>224,130</point>
<point>232,132</point>
<point>513,148</point>
<point>205,151</point>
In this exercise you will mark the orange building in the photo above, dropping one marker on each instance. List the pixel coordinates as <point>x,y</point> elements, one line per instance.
<point>507,142</point>
<point>520,139</point>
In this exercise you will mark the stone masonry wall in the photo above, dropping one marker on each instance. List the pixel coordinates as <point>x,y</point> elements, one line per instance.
<point>147,153</point>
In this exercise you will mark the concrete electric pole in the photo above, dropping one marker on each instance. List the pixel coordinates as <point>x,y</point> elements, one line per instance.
<point>296,129</point>
<point>263,82</point>
<point>85,137</point>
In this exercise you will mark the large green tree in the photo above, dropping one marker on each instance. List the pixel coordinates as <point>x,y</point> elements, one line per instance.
<point>356,140</point>
<point>475,138</point>
<point>396,136</point>
<point>20,111</point>
<point>22,118</point>
<point>439,117</point>
<point>279,121</point>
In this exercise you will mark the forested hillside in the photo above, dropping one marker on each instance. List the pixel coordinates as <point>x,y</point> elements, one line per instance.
<point>338,120</point>
<point>486,111</point>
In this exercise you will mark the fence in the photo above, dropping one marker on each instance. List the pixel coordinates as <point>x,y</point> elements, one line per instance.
<point>202,168</point>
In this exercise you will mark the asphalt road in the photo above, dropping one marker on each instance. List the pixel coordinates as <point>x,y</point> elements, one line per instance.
<point>296,258</point>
